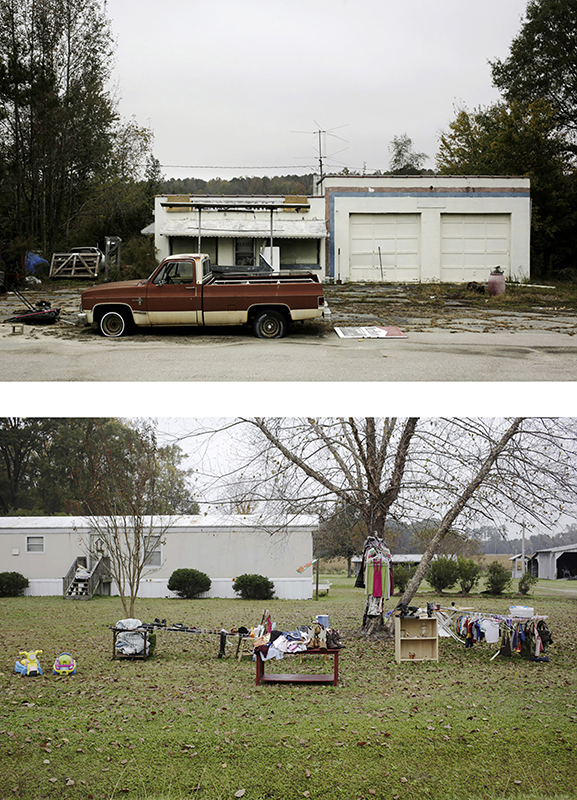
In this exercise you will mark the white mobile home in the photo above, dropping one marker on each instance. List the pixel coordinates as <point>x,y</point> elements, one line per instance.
<point>47,549</point>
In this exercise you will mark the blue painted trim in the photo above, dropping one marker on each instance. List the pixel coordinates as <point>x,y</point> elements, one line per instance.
<point>473,194</point>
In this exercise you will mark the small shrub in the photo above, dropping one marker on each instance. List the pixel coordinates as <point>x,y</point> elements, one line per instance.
<point>498,578</point>
<point>526,582</point>
<point>12,584</point>
<point>189,583</point>
<point>442,574</point>
<point>469,574</point>
<point>402,574</point>
<point>138,259</point>
<point>254,587</point>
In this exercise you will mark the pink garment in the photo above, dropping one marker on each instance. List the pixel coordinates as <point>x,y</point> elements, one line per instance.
<point>377,582</point>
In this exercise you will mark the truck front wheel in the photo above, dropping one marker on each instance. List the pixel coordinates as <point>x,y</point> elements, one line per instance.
<point>113,324</point>
<point>270,325</point>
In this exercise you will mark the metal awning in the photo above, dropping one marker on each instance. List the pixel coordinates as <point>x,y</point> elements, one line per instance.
<point>247,228</point>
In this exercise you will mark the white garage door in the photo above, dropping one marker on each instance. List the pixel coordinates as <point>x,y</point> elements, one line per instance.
<point>474,244</point>
<point>396,235</point>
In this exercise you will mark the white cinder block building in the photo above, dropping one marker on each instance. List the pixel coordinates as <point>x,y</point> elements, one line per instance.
<point>47,549</point>
<point>426,227</point>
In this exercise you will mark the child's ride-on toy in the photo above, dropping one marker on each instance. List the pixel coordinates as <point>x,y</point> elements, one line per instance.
<point>29,665</point>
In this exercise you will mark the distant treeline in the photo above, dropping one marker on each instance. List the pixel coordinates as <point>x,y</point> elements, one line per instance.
<point>539,541</point>
<point>413,538</point>
<point>280,185</point>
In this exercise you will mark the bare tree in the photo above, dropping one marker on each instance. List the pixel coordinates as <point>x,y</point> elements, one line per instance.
<point>477,480</point>
<point>127,489</point>
<point>449,469</point>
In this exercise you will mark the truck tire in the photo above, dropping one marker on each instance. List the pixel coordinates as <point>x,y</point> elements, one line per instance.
<point>270,325</point>
<point>113,324</point>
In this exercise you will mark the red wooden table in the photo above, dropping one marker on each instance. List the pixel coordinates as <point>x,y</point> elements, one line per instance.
<point>289,677</point>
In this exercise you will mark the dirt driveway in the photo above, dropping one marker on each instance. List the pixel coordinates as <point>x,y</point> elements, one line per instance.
<point>413,308</point>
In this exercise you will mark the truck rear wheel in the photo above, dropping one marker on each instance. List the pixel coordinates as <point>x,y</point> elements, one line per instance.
<point>270,325</point>
<point>113,324</point>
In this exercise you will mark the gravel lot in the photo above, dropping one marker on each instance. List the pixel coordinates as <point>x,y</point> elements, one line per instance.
<point>413,308</point>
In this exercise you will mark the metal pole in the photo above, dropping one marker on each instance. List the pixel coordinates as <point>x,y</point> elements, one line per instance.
<point>523,551</point>
<point>317,579</point>
<point>199,233</point>
<point>271,236</point>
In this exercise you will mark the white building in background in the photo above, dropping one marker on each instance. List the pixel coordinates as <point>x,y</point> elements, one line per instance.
<point>46,549</point>
<point>555,562</point>
<point>384,229</point>
<point>235,230</point>
<point>426,228</point>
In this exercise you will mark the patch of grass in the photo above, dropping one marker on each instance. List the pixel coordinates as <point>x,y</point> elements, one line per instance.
<point>185,723</point>
<point>561,297</point>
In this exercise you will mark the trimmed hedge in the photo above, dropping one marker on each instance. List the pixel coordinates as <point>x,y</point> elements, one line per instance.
<point>12,584</point>
<point>189,583</point>
<point>253,587</point>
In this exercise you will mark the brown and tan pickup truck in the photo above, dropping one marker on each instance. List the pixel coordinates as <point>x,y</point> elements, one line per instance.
<point>185,290</point>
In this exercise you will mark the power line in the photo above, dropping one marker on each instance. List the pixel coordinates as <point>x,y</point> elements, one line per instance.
<point>204,166</point>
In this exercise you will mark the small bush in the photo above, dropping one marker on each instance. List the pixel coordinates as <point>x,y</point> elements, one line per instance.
<point>442,574</point>
<point>526,582</point>
<point>12,584</point>
<point>189,583</point>
<point>469,574</point>
<point>402,574</point>
<point>138,259</point>
<point>254,587</point>
<point>498,578</point>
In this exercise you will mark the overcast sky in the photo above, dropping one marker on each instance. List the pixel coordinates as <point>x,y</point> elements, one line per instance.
<point>227,85</point>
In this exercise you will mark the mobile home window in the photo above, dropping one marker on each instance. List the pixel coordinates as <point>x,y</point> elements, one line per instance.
<point>35,544</point>
<point>155,557</point>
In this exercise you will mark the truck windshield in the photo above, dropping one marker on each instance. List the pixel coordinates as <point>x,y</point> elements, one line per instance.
<point>175,272</point>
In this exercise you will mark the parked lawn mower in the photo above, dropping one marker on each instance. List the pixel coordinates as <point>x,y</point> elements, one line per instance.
<point>39,313</point>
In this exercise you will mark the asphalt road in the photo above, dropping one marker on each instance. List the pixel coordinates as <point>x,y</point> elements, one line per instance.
<point>37,354</point>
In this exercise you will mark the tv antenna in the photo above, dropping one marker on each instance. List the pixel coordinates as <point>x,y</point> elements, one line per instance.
<point>320,132</point>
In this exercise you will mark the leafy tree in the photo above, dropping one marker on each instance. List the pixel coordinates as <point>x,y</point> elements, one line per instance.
<point>469,574</point>
<point>521,139</point>
<point>341,536</point>
<point>56,113</point>
<point>45,466</point>
<point>404,159</point>
<point>21,443</point>
<point>70,170</point>
<point>542,63</point>
<point>122,199</point>
<point>498,578</point>
<point>442,574</point>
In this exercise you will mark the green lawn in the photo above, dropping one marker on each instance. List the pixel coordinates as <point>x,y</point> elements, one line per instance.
<point>186,724</point>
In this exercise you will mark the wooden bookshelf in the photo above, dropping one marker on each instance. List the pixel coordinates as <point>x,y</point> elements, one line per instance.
<point>416,639</point>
